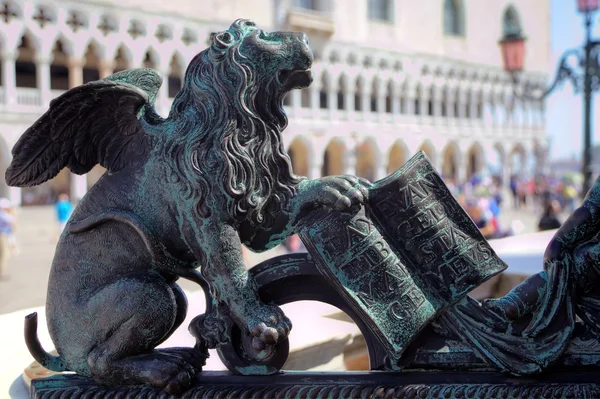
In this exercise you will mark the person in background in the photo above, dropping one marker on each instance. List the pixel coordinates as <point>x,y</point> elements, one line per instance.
<point>514,189</point>
<point>570,193</point>
<point>64,208</point>
<point>7,226</point>
<point>549,219</point>
<point>483,218</point>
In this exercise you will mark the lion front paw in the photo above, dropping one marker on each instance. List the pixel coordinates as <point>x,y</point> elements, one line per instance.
<point>268,325</point>
<point>339,193</point>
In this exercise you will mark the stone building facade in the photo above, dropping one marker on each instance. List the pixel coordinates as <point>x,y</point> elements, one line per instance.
<point>391,77</point>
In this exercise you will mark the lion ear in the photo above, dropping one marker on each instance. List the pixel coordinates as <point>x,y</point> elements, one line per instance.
<point>211,38</point>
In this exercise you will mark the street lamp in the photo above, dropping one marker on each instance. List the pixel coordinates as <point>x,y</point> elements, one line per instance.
<point>584,74</point>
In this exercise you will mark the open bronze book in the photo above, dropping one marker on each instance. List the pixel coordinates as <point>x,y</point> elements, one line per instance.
<point>406,256</point>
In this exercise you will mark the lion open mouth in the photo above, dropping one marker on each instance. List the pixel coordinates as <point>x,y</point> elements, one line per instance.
<point>294,78</point>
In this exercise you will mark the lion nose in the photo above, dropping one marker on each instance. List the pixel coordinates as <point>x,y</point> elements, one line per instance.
<point>301,37</point>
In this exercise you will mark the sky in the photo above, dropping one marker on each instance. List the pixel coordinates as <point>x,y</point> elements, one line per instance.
<point>564,109</point>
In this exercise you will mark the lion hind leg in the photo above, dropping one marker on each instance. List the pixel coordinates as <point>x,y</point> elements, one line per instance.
<point>140,312</point>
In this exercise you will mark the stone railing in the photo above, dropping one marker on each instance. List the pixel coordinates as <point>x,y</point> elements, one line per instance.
<point>29,97</point>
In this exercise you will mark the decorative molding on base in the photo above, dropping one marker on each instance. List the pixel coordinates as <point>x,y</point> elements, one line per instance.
<point>415,384</point>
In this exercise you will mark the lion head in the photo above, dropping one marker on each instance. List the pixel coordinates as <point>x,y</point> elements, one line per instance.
<point>227,119</point>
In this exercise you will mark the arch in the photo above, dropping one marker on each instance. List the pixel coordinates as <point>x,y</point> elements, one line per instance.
<point>454,24</point>
<point>176,73</point>
<point>92,60</point>
<point>299,153</point>
<point>517,160</point>
<point>59,73</point>
<point>431,101</point>
<point>151,59</point>
<point>324,90</point>
<point>367,160</point>
<point>475,160</point>
<point>497,162</point>
<point>305,98</point>
<point>450,162</point>
<point>122,59</point>
<point>389,94</point>
<point>342,89</point>
<point>429,149</point>
<point>511,22</point>
<point>25,69</point>
<point>397,156</point>
<point>358,105</point>
<point>417,101</point>
<point>445,102</point>
<point>334,158</point>
<point>375,86</point>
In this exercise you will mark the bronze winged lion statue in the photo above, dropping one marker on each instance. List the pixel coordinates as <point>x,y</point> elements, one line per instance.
<point>180,196</point>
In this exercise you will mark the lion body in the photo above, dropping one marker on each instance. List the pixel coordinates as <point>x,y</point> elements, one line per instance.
<point>196,185</point>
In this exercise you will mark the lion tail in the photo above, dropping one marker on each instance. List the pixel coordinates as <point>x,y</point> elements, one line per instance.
<point>54,363</point>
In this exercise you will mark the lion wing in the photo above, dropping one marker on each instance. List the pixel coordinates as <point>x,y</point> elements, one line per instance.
<point>96,123</point>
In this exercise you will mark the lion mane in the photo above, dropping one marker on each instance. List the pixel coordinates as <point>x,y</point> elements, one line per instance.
<point>226,124</point>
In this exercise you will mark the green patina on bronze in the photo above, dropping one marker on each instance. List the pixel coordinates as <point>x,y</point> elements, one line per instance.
<point>182,193</point>
<point>406,257</point>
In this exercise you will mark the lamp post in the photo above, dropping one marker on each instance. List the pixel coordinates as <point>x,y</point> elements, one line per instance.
<point>584,74</point>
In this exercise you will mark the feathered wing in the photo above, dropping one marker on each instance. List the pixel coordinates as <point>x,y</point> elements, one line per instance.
<point>96,123</point>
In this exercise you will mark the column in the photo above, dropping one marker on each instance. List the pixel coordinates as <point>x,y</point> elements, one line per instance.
<point>423,103</point>
<point>380,170</point>
<point>505,172</point>
<point>473,101</point>
<point>365,100</point>
<point>461,171</point>
<point>315,169</point>
<point>106,68</point>
<point>78,187</point>
<point>163,94</point>
<point>381,104</point>
<point>315,100</point>
<point>78,183</point>
<point>350,166</point>
<point>75,66</point>
<point>295,101</point>
<point>14,195</point>
<point>42,66</point>
<point>331,101</point>
<point>409,101</point>
<point>349,102</point>
<point>9,79</point>
<point>395,103</point>
<point>437,103</point>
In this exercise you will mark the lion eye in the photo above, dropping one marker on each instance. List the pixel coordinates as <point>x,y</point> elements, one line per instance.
<point>249,23</point>
<point>222,40</point>
<point>226,37</point>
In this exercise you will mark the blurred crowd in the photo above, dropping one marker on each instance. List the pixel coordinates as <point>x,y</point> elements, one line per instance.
<point>484,198</point>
